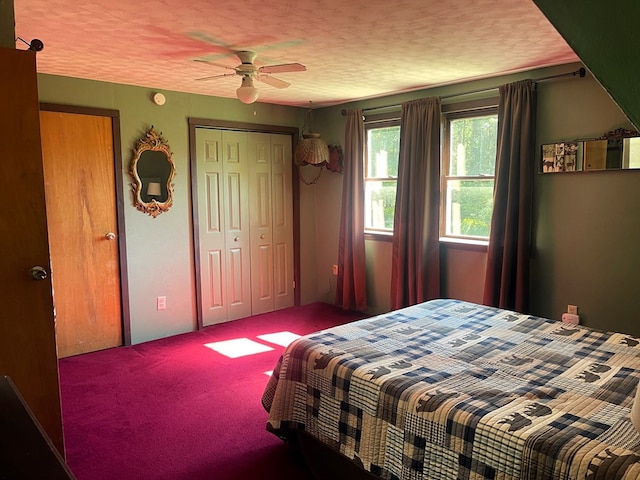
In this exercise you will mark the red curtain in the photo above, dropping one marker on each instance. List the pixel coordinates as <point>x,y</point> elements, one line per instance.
<point>507,278</point>
<point>351,291</point>
<point>415,268</point>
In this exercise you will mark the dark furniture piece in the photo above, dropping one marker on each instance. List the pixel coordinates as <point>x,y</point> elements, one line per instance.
<point>26,452</point>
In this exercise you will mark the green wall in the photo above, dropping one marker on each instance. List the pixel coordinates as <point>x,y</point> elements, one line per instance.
<point>160,250</point>
<point>7,24</point>
<point>586,226</point>
<point>328,195</point>
<point>607,39</point>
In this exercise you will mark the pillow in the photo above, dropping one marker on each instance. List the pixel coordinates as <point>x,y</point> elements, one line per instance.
<point>635,410</point>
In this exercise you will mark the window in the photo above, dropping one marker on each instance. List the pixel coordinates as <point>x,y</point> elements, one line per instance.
<point>468,173</point>
<point>469,146</point>
<point>381,175</point>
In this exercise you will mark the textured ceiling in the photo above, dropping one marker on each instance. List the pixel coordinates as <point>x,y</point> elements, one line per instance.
<point>352,49</point>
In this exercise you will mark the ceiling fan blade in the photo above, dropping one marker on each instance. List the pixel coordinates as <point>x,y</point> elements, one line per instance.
<point>273,81</point>
<point>213,63</point>
<point>211,77</point>
<point>219,46</point>
<point>283,68</point>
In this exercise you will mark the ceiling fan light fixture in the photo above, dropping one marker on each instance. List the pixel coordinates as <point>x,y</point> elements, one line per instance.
<point>247,93</point>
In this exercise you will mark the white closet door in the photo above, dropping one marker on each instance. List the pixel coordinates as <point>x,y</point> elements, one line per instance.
<point>282,220</point>
<point>245,223</point>
<point>237,220</point>
<point>211,226</point>
<point>223,226</point>
<point>261,222</point>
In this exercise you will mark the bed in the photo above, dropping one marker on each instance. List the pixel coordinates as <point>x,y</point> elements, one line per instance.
<point>453,390</point>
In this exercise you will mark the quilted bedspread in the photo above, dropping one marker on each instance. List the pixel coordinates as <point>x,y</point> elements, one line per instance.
<point>453,390</point>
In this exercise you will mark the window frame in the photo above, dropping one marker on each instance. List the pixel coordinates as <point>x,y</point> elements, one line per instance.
<point>372,122</point>
<point>478,108</point>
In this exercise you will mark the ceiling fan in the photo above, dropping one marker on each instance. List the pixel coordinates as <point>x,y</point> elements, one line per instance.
<point>249,72</point>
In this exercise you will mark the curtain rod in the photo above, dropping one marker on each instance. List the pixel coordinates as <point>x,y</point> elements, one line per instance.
<point>581,72</point>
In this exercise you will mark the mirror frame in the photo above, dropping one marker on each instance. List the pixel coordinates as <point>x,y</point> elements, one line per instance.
<point>571,147</point>
<point>151,141</point>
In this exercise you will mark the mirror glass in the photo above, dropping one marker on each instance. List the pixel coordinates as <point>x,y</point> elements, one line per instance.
<point>617,150</point>
<point>152,170</point>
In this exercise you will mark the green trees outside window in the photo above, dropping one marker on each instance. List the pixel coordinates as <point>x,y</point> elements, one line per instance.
<point>383,150</point>
<point>469,178</point>
<point>467,172</point>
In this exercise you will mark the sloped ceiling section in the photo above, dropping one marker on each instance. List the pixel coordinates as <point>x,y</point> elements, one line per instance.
<point>606,37</point>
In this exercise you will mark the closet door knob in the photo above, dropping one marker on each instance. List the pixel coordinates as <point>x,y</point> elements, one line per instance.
<point>110,236</point>
<point>262,236</point>
<point>235,239</point>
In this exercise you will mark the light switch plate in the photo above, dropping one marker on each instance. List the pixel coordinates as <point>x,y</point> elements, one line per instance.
<point>161,303</point>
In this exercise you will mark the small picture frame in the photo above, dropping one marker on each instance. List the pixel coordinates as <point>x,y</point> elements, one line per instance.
<point>559,157</point>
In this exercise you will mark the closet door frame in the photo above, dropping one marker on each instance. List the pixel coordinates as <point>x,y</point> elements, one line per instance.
<point>293,132</point>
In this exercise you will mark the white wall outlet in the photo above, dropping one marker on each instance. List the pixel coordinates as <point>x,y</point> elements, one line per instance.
<point>334,269</point>
<point>570,318</point>
<point>161,303</point>
<point>572,309</point>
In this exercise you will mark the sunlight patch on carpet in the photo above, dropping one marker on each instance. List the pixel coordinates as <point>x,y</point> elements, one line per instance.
<point>238,347</point>
<point>279,338</point>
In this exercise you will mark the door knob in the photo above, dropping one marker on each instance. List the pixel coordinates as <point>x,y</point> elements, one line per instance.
<point>110,236</point>
<point>38,273</point>
<point>235,239</point>
<point>262,236</point>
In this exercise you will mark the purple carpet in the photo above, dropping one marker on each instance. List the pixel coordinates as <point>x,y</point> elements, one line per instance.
<point>176,409</point>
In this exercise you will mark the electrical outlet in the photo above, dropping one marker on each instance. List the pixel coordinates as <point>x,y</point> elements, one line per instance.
<point>161,303</point>
<point>334,270</point>
<point>572,309</point>
<point>571,318</point>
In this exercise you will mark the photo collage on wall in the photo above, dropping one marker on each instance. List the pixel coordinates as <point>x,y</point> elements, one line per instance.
<point>559,157</point>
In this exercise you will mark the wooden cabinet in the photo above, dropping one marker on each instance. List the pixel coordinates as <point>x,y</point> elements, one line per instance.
<point>27,330</point>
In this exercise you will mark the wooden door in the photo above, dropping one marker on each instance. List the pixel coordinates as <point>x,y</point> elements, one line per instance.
<point>27,330</point>
<point>595,155</point>
<point>81,209</point>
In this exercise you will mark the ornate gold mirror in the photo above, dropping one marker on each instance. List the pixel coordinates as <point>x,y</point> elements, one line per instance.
<point>152,169</point>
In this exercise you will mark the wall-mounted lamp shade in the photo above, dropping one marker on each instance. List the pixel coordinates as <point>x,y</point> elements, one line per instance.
<point>153,189</point>
<point>247,93</point>
<point>311,150</point>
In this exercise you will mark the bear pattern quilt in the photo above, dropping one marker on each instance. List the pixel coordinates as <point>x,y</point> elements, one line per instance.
<point>452,390</point>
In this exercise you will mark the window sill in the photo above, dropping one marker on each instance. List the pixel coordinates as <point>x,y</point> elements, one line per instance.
<point>465,244</point>
<point>449,242</point>
<point>379,236</point>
